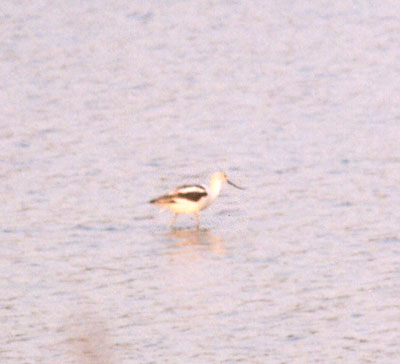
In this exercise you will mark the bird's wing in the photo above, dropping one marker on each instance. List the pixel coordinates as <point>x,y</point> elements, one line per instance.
<point>190,192</point>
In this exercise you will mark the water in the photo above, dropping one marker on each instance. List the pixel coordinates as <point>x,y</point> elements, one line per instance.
<point>106,105</point>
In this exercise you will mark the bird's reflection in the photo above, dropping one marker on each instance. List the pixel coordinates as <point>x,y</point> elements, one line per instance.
<point>195,241</point>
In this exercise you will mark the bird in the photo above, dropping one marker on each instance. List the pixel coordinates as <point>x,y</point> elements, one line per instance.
<point>190,199</point>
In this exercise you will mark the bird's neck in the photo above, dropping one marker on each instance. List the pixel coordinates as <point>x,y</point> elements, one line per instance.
<point>215,188</point>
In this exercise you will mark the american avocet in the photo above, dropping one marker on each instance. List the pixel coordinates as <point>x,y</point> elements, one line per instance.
<point>190,199</point>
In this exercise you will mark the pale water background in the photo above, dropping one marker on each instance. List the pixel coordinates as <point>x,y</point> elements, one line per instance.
<point>107,104</point>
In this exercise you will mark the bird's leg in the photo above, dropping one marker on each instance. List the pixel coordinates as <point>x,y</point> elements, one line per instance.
<point>197,220</point>
<point>173,220</point>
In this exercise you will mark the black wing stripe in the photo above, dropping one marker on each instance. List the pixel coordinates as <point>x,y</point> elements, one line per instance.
<point>163,199</point>
<point>192,196</point>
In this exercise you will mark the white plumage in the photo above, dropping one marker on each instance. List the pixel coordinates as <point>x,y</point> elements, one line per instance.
<point>190,199</point>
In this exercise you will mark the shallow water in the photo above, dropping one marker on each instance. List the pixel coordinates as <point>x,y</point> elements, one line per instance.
<point>107,105</point>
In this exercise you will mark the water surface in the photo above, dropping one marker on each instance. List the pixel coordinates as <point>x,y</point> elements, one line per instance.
<point>107,105</point>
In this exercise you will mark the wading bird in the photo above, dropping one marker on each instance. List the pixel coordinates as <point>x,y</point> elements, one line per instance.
<point>190,199</point>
